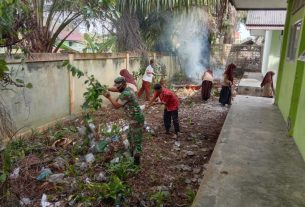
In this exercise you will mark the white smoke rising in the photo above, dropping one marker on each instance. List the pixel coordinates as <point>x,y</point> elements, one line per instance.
<point>189,32</point>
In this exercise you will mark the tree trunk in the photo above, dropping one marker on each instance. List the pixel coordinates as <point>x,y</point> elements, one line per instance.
<point>128,33</point>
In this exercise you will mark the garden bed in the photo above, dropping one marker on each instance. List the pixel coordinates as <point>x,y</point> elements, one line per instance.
<point>169,175</point>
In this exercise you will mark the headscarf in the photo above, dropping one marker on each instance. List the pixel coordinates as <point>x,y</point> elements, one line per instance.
<point>210,71</point>
<point>229,71</point>
<point>268,78</point>
<point>128,77</point>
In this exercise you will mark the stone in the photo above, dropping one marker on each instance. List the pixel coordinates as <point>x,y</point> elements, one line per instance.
<point>177,144</point>
<point>60,163</point>
<point>89,158</point>
<point>25,202</point>
<point>196,170</point>
<point>190,153</point>
<point>57,178</point>
<point>184,167</point>
<point>205,166</point>
<point>187,181</point>
<point>194,180</point>
<point>101,177</point>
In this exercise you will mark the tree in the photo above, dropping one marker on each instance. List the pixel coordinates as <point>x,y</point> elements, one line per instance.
<point>139,23</point>
<point>39,22</point>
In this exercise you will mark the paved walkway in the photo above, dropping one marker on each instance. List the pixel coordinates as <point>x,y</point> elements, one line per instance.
<point>254,163</point>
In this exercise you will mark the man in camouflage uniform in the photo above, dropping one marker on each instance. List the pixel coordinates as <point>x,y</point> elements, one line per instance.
<point>128,100</point>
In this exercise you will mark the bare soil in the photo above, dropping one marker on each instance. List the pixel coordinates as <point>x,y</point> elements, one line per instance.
<point>165,167</point>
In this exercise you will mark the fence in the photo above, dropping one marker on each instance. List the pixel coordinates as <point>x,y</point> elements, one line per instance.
<point>55,93</point>
<point>246,57</point>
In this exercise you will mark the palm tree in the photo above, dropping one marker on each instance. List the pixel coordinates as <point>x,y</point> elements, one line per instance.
<point>41,21</point>
<point>140,22</point>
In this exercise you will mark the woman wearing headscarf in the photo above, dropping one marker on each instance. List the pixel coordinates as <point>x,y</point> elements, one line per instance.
<point>267,85</point>
<point>226,90</point>
<point>207,84</point>
<point>129,79</point>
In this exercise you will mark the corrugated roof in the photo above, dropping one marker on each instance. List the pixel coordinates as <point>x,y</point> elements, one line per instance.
<point>266,18</point>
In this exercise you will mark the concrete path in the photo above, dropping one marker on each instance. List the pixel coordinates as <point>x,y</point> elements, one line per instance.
<point>254,163</point>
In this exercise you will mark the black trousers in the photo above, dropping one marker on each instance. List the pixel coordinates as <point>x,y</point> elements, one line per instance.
<point>168,116</point>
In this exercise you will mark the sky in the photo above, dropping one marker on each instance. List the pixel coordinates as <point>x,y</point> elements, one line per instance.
<point>244,33</point>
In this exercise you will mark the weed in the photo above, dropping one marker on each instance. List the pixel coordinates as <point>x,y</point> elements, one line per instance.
<point>58,125</point>
<point>159,198</point>
<point>105,191</point>
<point>190,194</point>
<point>123,169</point>
<point>13,152</point>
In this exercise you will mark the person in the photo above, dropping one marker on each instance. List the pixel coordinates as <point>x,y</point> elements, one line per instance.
<point>267,85</point>
<point>207,85</point>
<point>171,102</point>
<point>226,90</point>
<point>147,80</point>
<point>129,79</point>
<point>128,100</point>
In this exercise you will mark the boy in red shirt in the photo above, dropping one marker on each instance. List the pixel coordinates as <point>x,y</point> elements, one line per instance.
<point>171,102</point>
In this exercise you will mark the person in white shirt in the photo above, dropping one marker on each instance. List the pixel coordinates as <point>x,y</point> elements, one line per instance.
<point>147,80</point>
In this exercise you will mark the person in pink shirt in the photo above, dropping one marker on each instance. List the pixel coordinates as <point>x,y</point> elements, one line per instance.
<point>171,102</point>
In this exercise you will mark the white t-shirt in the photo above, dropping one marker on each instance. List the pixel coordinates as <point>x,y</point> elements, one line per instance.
<point>148,76</point>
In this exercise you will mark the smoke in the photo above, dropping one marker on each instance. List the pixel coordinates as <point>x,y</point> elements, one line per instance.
<point>189,37</point>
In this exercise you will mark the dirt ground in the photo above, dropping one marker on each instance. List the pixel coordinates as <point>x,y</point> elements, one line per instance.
<point>170,172</point>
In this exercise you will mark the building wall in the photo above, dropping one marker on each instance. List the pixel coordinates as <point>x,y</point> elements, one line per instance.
<point>275,53</point>
<point>55,93</point>
<point>266,53</point>
<point>291,82</point>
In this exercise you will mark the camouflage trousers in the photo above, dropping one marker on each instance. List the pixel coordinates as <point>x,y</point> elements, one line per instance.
<point>135,135</point>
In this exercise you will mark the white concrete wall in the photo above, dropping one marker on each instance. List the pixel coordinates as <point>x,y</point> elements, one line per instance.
<point>267,47</point>
<point>55,94</point>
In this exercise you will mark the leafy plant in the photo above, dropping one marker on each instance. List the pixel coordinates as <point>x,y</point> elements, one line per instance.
<point>123,169</point>
<point>13,151</point>
<point>74,70</point>
<point>108,131</point>
<point>190,194</point>
<point>106,191</point>
<point>159,198</point>
<point>92,95</point>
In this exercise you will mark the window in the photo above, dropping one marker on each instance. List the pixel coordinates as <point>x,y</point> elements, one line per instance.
<point>297,5</point>
<point>294,39</point>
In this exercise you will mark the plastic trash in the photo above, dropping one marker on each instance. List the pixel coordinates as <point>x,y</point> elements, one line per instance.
<point>15,173</point>
<point>115,138</point>
<point>44,201</point>
<point>126,144</point>
<point>115,160</point>
<point>44,173</point>
<point>81,130</point>
<point>25,202</point>
<point>89,158</point>
<point>142,107</point>
<point>56,178</point>
<point>101,146</point>
<point>92,127</point>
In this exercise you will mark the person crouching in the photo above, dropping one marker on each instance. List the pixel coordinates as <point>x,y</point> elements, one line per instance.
<point>171,102</point>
